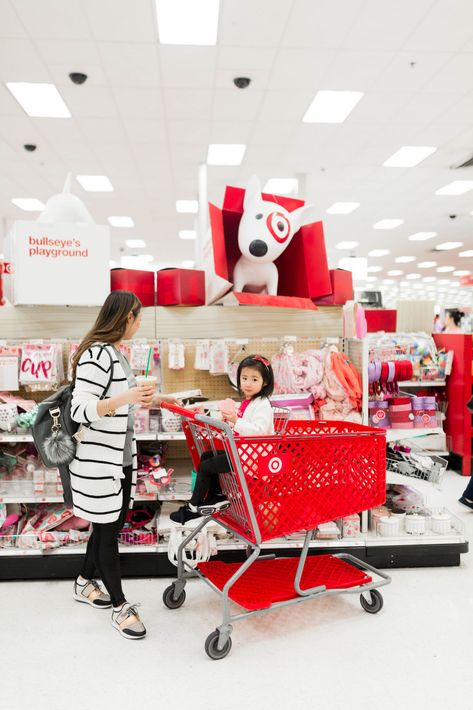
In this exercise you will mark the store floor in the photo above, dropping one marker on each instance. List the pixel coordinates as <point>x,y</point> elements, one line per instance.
<point>415,653</point>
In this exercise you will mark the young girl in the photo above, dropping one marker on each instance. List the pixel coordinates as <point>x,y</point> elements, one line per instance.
<point>255,381</point>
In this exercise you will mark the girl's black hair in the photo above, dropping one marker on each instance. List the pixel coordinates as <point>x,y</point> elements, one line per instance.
<point>262,364</point>
<point>455,315</point>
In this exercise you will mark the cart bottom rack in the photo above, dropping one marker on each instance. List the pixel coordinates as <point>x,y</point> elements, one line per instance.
<point>270,581</point>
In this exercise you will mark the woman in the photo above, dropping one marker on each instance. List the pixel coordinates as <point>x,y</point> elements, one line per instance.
<point>103,471</point>
<point>453,319</point>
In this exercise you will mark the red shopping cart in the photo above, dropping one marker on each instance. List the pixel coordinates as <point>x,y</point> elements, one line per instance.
<point>309,473</point>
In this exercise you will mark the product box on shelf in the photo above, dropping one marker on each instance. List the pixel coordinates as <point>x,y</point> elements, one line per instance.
<point>181,287</point>
<point>341,282</point>
<point>302,267</point>
<point>57,264</point>
<point>141,283</point>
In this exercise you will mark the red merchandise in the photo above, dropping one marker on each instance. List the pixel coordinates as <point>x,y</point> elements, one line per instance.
<point>303,269</point>
<point>342,289</point>
<point>141,283</point>
<point>180,287</point>
<point>381,319</point>
<point>261,299</point>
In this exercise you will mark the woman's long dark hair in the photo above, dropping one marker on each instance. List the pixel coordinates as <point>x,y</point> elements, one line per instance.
<point>455,315</point>
<point>111,322</point>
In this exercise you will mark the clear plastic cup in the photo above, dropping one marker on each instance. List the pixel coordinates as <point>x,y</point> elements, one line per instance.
<point>145,381</point>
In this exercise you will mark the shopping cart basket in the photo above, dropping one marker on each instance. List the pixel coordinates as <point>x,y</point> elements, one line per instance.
<point>312,473</point>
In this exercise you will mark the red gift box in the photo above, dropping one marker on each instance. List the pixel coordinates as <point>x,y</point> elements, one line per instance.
<point>342,289</point>
<point>381,319</point>
<point>303,268</point>
<point>141,283</point>
<point>181,287</point>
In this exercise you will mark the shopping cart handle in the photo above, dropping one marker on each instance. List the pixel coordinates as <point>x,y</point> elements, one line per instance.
<point>181,411</point>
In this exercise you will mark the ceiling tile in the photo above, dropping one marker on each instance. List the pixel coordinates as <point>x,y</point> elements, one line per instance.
<point>259,79</point>
<point>19,61</point>
<point>118,20</point>
<point>53,19</point>
<point>60,74</point>
<point>321,24</point>
<point>130,64</point>
<point>382,25</point>
<point>456,76</point>
<point>410,71</point>
<point>192,67</point>
<point>73,52</point>
<point>447,27</point>
<point>301,68</point>
<point>355,70</point>
<point>276,107</point>
<point>10,26</point>
<point>89,101</point>
<point>144,130</point>
<point>137,103</point>
<point>188,103</point>
<point>246,59</point>
<point>232,105</point>
<point>248,28</point>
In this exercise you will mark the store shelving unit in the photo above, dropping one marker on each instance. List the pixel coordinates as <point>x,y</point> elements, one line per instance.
<point>266,327</point>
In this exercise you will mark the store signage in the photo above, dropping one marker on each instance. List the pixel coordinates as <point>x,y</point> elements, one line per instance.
<point>57,264</point>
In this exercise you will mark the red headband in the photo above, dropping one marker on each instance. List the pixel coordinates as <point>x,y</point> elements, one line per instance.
<point>259,358</point>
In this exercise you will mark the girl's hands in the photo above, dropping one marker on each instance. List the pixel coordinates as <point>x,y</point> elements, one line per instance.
<point>142,396</point>
<point>230,418</point>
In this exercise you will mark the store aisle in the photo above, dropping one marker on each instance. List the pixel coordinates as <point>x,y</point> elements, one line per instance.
<point>327,653</point>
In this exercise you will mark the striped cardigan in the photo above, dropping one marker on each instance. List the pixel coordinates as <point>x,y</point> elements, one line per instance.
<point>97,468</point>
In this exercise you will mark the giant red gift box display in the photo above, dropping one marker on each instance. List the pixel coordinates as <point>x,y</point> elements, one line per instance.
<point>141,283</point>
<point>180,287</point>
<point>341,287</point>
<point>303,269</point>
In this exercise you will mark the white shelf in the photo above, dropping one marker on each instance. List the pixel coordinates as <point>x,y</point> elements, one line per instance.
<point>398,434</point>
<point>30,499</point>
<point>150,436</point>
<point>420,383</point>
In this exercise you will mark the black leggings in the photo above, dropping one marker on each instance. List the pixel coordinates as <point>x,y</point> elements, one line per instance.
<point>207,482</point>
<point>102,548</point>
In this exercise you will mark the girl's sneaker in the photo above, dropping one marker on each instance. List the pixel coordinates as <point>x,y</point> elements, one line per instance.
<point>91,593</point>
<point>184,514</point>
<point>126,621</point>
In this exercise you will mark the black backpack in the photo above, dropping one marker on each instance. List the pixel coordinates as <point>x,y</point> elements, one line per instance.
<point>54,431</point>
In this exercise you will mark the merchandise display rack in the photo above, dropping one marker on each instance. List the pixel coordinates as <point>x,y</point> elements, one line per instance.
<point>265,327</point>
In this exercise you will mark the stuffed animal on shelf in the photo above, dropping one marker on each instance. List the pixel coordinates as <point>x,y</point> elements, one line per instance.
<point>265,231</point>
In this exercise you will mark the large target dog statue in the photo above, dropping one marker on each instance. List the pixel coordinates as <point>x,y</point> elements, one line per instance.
<point>265,231</point>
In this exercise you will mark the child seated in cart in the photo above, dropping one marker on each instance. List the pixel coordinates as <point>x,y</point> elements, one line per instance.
<point>255,381</point>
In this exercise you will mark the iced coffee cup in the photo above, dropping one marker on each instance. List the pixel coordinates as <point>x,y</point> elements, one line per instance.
<point>146,381</point>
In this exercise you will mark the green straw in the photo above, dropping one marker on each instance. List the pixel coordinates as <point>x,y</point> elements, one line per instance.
<point>149,358</point>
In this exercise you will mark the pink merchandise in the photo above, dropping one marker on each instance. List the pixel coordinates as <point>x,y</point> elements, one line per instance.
<point>218,358</point>
<point>227,406</point>
<point>351,526</point>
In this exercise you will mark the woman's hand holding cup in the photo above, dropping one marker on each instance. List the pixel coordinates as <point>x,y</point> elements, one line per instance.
<point>144,391</point>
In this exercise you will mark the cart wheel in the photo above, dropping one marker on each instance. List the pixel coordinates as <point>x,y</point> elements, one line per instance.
<point>375,604</point>
<point>168,598</point>
<point>211,648</point>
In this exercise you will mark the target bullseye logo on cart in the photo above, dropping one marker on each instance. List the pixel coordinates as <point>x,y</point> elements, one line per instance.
<point>275,464</point>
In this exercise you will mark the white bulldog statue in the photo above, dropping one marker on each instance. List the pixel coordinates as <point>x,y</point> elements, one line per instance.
<point>265,230</point>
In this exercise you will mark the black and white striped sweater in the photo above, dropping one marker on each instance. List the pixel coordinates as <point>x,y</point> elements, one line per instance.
<point>97,468</point>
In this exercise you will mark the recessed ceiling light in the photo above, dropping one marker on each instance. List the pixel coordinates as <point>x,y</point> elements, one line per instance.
<point>426,264</point>
<point>281,186</point>
<point>135,243</point>
<point>445,269</point>
<point>225,153</point>
<point>379,252</point>
<point>389,281</point>
<point>39,100</point>
<point>417,286</point>
<point>188,264</point>
<point>457,187</point>
<point>467,253</point>
<point>28,204</point>
<point>429,279</point>
<point>95,183</point>
<point>411,277</point>
<point>136,261</point>
<point>444,281</point>
<point>112,264</point>
<point>422,236</point>
<point>187,234</point>
<point>408,156</point>
<point>374,269</point>
<point>461,273</point>
<point>388,223</point>
<point>332,106</point>
<point>446,246</point>
<point>187,206</point>
<point>187,21</point>
<point>346,245</point>
<point>371,279</point>
<point>395,272</point>
<point>404,259</point>
<point>343,207</point>
<point>121,221</point>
